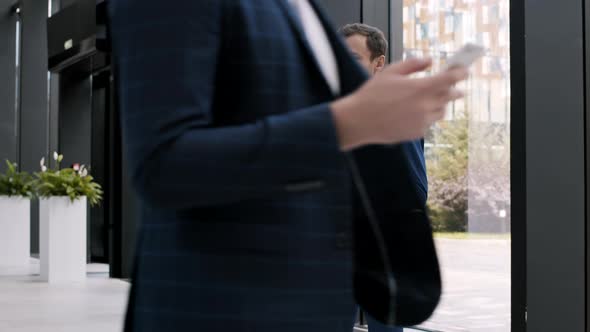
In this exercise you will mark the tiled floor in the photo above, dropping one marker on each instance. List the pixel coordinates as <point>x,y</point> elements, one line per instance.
<point>476,276</point>
<point>28,305</point>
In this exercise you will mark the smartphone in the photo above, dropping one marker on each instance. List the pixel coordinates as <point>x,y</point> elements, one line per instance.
<point>465,56</point>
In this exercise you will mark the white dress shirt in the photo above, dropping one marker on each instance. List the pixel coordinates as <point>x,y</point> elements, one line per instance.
<point>318,41</point>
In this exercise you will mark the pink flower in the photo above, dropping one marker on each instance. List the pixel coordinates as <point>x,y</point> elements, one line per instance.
<point>76,167</point>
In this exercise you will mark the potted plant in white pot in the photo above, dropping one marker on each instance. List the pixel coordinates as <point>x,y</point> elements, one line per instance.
<point>16,191</point>
<point>63,198</point>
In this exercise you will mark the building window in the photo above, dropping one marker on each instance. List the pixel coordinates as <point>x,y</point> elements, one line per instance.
<point>468,161</point>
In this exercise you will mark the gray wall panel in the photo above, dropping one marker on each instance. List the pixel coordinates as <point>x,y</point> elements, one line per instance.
<point>396,30</point>
<point>343,12</point>
<point>130,216</point>
<point>65,3</point>
<point>587,73</point>
<point>34,114</point>
<point>376,13</point>
<point>555,172</point>
<point>74,118</point>
<point>8,115</point>
<point>54,98</point>
<point>54,112</point>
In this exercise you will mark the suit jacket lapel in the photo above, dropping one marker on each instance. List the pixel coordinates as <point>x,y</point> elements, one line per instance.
<point>300,33</point>
<point>352,75</point>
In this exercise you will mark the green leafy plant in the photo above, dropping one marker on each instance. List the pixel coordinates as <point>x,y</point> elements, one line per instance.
<point>15,183</point>
<point>468,173</point>
<point>72,182</point>
<point>448,177</point>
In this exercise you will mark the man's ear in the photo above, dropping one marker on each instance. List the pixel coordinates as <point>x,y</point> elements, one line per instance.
<point>380,63</point>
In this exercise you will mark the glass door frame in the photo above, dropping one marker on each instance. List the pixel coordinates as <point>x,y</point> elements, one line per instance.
<point>549,158</point>
<point>518,167</point>
<point>518,150</point>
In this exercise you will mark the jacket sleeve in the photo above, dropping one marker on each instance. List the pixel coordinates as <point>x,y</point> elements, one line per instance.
<point>394,177</point>
<point>167,58</point>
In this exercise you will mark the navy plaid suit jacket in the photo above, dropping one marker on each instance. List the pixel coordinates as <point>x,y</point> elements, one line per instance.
<point>246,199</point>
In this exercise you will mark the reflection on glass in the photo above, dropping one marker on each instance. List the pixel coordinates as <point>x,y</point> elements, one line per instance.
<point>468,157</point>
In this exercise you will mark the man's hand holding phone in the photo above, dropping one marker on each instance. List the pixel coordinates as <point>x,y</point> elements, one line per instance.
<point>394,107</point>
<point>465,57</point>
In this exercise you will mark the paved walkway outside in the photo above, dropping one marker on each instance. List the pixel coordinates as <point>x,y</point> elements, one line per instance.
<point>476,279</point>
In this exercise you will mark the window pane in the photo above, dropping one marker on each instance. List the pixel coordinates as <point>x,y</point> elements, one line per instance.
<point>468,158</point>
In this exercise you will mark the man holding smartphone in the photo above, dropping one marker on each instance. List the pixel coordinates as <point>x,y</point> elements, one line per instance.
<point>369,47</point>
<point>236,116</point>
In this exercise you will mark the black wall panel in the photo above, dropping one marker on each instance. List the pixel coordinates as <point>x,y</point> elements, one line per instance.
<point>555,171</point>
<point>34,96</point>
<point>343,12</point>
<point>8,102</point>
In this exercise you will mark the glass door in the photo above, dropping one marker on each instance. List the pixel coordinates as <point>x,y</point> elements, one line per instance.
<point>468,161</point>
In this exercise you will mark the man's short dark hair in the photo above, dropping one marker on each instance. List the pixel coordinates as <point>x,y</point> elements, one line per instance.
<point>376,42</point>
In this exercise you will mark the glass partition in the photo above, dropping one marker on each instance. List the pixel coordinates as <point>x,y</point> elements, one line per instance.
<point>468,160</point>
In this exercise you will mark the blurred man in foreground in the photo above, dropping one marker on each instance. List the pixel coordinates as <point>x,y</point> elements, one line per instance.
<point>237,115</point>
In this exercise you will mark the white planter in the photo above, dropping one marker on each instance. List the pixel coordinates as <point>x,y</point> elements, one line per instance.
<point>62,239</point>
<point>15,231</point>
